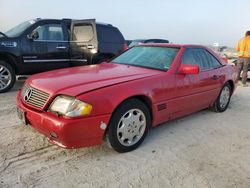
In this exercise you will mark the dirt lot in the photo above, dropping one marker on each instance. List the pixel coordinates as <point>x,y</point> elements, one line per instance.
<point>205,149</point>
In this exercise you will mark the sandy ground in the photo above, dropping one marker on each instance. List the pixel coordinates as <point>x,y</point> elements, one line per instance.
<point>205,149</point>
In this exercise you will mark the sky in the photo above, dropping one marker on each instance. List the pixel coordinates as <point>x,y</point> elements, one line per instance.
<point>180,21</point>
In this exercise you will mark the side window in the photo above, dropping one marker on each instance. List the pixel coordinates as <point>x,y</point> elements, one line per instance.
<point>53,32</point>
<point>200,57</point>
<point>214,63</point>
<point>188,57</point>
<point>109,34</point>
<point>83,33</point>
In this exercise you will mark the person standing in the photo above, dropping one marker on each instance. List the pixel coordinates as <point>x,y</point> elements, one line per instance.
<point>243,48</point>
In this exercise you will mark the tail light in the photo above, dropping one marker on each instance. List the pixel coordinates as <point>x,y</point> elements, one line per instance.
<point>125,46</point>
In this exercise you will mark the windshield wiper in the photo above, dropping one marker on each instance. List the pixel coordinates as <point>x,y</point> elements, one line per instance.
<point>3,34</point>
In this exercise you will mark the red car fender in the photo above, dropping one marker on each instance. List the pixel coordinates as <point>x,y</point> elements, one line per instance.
<point>105,100</point>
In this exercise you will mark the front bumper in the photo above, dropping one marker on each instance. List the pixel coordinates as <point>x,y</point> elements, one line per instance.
<point>67,133</point>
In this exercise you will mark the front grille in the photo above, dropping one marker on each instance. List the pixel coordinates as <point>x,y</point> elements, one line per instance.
<point>34,97</point>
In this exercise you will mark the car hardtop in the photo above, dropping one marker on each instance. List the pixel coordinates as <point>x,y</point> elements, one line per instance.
<point>148,40</point>
<point>184,46</point>
<point>178,46</point>
<point>173,45</point>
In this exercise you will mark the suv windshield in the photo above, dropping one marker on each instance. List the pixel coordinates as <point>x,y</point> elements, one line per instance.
<point>148,56</point>
<point>19,29</point>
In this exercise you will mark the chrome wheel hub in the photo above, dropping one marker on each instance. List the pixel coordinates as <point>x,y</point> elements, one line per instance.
<point>224,97</point>
<point>5,77</point>
<point>131,127</point>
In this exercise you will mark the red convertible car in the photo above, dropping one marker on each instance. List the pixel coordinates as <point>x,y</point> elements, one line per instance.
<point>121,99</point>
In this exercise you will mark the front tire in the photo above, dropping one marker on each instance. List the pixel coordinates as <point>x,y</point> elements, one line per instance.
<point>222,102</point>
<point>129,126</point>
<point>7,77</point>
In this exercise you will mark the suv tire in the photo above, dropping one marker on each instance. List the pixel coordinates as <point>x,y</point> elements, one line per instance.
<point>7,76</point>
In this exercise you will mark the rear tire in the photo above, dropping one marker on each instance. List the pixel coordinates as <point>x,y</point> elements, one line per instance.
<point>7,76</point>
<point>129,126</point>
<point>223,100</point>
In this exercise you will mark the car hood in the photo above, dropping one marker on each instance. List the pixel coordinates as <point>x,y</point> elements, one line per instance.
<point>77,80</point>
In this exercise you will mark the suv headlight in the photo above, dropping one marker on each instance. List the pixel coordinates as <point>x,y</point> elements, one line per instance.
<point>69,106</point>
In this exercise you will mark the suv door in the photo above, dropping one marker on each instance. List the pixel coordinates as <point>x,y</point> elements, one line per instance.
<point>83,43</point>
<point>50,50</point>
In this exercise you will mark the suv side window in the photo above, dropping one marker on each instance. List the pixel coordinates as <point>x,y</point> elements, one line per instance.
<point>83,32</point>
<point>52,32</point>
<point>109,34</point>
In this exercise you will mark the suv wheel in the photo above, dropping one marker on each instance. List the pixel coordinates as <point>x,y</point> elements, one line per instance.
<point>7,77</point>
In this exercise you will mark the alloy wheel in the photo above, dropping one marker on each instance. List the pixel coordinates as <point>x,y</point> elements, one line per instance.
<point>5,77</point>
<point>131,127</point>
<point>224,97</point>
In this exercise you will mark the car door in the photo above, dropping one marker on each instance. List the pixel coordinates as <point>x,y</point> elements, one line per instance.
<point>217,76</point>
<point>193,91</point>
<point>83,41</point>
<point>49,50</point>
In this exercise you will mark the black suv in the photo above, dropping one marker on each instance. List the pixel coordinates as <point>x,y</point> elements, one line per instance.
<point>45,44</point>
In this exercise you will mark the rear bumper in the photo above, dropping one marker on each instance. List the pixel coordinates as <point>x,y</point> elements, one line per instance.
<point>67,133</point>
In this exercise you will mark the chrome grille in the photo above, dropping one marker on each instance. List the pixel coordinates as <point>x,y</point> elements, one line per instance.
<point>34,97</point>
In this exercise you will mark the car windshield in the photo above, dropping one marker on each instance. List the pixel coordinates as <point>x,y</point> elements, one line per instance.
<point>19,29</point>
<point>152,57</point>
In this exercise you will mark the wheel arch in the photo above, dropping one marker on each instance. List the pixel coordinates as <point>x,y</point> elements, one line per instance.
<point>146,100</point>
<point>231,83</point>
<point>143,98</point>
<point>10,59</point>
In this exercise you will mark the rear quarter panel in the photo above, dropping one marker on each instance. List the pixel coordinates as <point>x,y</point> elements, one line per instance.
<point>231,74</point>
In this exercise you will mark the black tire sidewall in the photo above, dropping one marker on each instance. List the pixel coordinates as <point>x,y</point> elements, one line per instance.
<point>121,110</point>
<point>13,76</point>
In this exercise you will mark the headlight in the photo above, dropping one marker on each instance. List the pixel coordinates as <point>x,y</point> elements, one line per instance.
<point>69,106</point>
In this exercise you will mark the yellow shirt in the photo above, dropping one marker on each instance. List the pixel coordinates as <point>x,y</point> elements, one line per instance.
<point>243,47</point>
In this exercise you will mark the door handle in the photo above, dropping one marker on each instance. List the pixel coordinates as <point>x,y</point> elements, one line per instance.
<point>215,77</point>
<point>61,47</point>
<point>90,46</point>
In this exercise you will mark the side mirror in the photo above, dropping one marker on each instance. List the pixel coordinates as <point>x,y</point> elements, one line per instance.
<point>33,36</point>
<point>189,69</point>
